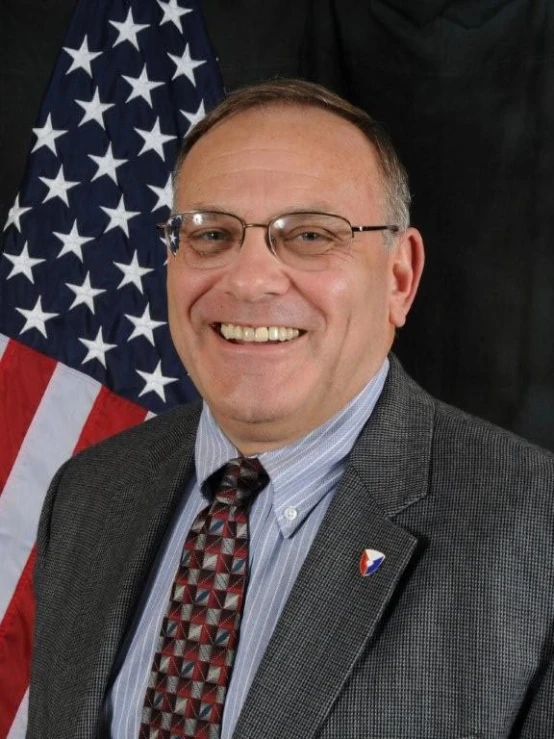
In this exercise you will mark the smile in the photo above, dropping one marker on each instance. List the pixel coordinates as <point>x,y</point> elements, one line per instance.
<point>259,335</point>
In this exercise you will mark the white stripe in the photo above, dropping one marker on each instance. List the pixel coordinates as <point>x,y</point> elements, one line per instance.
<point>19,726</point>
<point>50,440</point>
<point>3,344</point>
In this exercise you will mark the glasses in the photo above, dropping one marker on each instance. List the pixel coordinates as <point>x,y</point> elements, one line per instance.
<point>211,239</point>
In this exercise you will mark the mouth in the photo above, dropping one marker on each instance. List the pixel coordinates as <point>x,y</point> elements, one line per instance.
<point>257,334</point>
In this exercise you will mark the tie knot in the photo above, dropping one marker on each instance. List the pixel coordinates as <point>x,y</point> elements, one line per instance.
<point>241,479</point>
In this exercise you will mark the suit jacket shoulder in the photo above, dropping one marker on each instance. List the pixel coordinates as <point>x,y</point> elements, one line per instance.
<point>103,521</point>
<point>452,635</point>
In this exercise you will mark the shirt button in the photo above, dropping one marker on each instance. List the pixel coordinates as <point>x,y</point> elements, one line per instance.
<point>290,513</point>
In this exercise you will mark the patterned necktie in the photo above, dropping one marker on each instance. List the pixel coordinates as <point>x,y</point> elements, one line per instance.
<point>199,635</point>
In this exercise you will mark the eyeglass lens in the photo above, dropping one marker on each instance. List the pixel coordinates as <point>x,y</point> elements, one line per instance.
<point>210,240</point>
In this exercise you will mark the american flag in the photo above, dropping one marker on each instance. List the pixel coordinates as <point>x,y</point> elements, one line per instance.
<point>84,344</point>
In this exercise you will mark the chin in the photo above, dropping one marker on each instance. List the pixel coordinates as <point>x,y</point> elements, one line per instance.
<point>253,413</point>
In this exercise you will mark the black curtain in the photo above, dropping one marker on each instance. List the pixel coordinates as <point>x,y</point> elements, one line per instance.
<point>465,89</point>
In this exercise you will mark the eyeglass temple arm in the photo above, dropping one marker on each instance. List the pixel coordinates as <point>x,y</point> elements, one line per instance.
<point>394,229</point>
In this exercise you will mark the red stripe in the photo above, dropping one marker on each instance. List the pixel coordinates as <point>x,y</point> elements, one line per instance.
<point>16,632</point>
<point>24,376</point>
<point>109,415</point>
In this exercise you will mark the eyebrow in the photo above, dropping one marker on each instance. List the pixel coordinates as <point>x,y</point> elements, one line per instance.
<point>313,207</point>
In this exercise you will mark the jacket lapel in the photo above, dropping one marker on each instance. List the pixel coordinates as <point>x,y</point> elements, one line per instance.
<point>333,612</point>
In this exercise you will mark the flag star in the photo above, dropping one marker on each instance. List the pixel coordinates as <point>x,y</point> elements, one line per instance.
<point>142,86</point>
<point>164,194</point>
<point>23,264</point>
<point>128,30</point>
<point>132,273</point>
<point>84,294</point>
<point>144,325</point>
<point>155,381</point>
<point>47,135</point>
<point>14,216</point>
<point>154,139</point>
<point>97,348</point>
<point>119,217</point>
<point>82,57</point>
<point>94,109</point>
<point>36,318</point>
<point>186,65</point>
<point>172,13</point>
<point>194,118</point>
<point>107,164</point>
<point>58,186</point>
<point>72,242</point>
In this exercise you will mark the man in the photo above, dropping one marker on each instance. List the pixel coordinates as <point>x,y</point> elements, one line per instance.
<point>400,563</point>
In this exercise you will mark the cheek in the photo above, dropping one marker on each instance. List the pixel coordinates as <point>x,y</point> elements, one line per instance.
<point>184,290</point>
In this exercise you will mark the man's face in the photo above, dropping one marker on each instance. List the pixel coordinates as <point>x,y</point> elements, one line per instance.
<point>258,165</point>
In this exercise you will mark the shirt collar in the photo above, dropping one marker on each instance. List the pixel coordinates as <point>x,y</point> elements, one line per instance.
<point>303,472</point>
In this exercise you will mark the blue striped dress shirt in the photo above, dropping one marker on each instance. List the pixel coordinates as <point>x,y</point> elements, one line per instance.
<point>284,520</point>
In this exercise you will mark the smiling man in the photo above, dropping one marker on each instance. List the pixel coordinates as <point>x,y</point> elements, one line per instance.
<point>289,167</point>
<point>321,549</point>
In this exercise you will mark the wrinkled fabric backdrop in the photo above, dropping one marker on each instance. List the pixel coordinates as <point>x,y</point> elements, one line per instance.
<point>466,90</point>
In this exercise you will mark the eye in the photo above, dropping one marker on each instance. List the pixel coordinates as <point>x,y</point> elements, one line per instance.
<point>308,234</point>
<point>308,240</point>
<point>313,236</point>
<point>208,241</point>
<point>210,235</point>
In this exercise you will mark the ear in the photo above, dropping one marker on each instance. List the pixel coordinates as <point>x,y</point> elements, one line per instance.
<point>407,260</point>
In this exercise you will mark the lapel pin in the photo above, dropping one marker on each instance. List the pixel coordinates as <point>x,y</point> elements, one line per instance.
<point>370,561</point>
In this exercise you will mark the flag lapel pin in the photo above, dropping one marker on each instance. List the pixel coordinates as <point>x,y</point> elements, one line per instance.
<point>370,561</point>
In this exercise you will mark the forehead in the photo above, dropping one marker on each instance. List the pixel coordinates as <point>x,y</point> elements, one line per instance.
<point>279,151</point>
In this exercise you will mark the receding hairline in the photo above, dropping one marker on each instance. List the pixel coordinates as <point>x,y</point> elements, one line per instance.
<point>266,106</point>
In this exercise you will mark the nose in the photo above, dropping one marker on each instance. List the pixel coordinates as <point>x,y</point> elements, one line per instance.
<point>256,273</point>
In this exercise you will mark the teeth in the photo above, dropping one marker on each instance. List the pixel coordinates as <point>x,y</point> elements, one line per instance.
<point>261,334</point>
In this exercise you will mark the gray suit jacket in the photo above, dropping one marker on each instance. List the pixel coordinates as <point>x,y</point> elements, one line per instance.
<point>451,637</point>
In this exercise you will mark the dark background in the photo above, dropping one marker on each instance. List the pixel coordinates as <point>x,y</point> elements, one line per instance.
<point>466,89</point>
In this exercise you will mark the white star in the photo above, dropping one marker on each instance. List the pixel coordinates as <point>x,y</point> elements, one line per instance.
<point>23,264</point>
<point>107,164</point>
<point>132,272</point>
<point>185,65</point>
<point>72,242</point>
<point>82,57</point>
<point>84,294</point>
<point>14,216</point>
<point>119,217</point>
<point>165,194</point>
<point>154,139</point>
<point>97,348</point>
<point>47,135</point>
<point>141,86</point>
<point>94,109</point>
<point>172,12</point>
<point>128,30</point>
<point>194,118</point>
<point>144,325</point>
<point>36,318</point>
<point>155,381</point>
<point>58,186</point>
